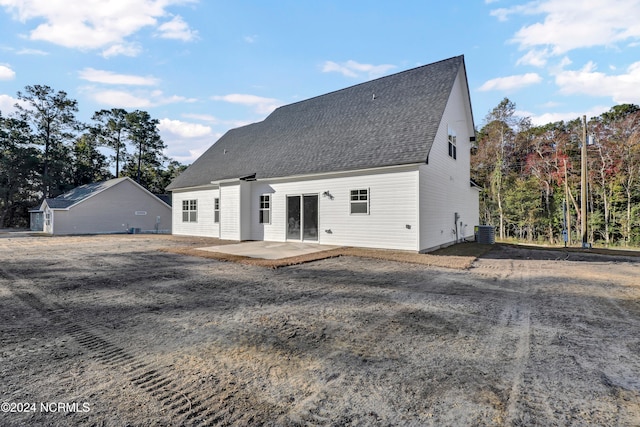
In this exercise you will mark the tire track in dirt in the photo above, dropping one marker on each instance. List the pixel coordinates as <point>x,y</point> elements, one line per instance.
<point>526,405</point>
<point>185,404</point>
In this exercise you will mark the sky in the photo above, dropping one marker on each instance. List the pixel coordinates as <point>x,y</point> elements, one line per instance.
<point>202,67</point>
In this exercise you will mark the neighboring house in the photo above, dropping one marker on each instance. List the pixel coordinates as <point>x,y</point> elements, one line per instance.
<point>383,164</point>
<point>115,206</point>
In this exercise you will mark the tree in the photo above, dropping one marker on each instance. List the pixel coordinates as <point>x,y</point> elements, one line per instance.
<point>89,164</point>
<point>18,172</point>
<point>627,142</point>
<point>112,130</point>
<point>524,204</point>
<point>495,147</point>
<point>145,137</point>
<point>52,118</point>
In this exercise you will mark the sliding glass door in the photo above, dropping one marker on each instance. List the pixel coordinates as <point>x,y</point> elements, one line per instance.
<point>302,217</point>
<point>293,218</point>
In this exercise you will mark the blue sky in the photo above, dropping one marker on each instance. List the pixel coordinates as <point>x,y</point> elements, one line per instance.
<point>202,66</point>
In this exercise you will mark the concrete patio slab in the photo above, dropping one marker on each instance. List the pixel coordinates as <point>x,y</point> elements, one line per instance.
<point>269,250</point>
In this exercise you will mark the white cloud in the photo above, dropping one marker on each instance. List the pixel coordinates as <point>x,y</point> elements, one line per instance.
<point>536,58</point>
<point>177,29</point>
<point>355,69</point>
<point>90,24</point>
<point>184,129</point>
<point>260,105</point>
<point>186,141</point>
<point>546,118</point>
<point>32,52</point>
<point>7,104</point>
<point>621,88</point>
<point>208,118</point>
<point>139,99</point>
<point>125,49</point>
<point>121,99</point>
<point>202,117</point>
<point>511,83</point>
<point>6,73</point>
<point>109,77</point>
<point>503,13</point>
<point>250,39</point>
<point>570,25</point>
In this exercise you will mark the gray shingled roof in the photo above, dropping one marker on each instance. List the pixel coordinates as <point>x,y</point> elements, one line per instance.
<point>389,121</point>
<point>80,193</point>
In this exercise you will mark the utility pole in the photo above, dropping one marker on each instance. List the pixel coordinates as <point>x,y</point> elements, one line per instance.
<point>583,184</point>
<point>566,197</point>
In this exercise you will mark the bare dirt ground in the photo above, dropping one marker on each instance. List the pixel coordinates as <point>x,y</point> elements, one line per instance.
<point>110,331</point>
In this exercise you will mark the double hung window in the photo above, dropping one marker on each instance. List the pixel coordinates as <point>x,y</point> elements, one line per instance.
<point>359,201</point>
<point>265,209</point>
<point>452,143</point>
<point>216,210</point>
<point>189,211</point>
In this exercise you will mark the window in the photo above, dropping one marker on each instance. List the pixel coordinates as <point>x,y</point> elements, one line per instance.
<point>216,210</point>
<point>189,211</point>
<point>452,143</point>
<point>47,218</point>
<point>360,201</point>
<point>265,209</point>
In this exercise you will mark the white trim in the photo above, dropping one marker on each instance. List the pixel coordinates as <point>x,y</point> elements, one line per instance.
<point>216,210</point>
<point>210,186</point>
<point>189,211</point>
<point>319,175</point>
<point>286,217</point>
<point>267,209</point>
<point>351,201</point>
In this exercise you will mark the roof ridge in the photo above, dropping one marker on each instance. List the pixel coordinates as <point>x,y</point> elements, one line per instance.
<point>364,83</point>
<point>336,131</point>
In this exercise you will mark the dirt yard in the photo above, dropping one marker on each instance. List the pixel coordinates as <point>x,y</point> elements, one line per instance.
<point>111,331</point>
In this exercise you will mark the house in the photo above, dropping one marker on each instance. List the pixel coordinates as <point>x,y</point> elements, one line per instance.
<point>115,206</point>
<point>382,164</point>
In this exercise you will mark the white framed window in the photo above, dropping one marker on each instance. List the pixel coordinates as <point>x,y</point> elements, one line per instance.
<point>189,211</point>
<point>216,210</point>
<point>47,218</point>
<point>452,143</point>
<point>359,201</point>
<point>265,209</point>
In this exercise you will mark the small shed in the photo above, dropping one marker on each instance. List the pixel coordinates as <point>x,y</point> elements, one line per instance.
<point>118,205</point>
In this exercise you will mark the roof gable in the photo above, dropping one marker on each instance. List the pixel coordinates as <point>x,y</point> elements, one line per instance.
<point>389,121</point>
<point>83,192</point>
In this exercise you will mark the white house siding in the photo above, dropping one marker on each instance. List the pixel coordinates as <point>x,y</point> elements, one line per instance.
<point>114,210</point>
<point>392,221</point>
<point>444,182</point>
<point>230,211</point>
<point>205,225</point>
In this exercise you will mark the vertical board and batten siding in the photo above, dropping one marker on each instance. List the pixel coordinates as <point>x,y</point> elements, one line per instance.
<point>230,213</point>
<point>205,225</point>
<point>114,211</point>
<point>246,208</point>
<point>392,221</point>
<point>445,182</point>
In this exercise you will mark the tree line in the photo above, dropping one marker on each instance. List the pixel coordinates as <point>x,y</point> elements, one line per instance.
<point>530,176</point>
<point>45,151</point>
